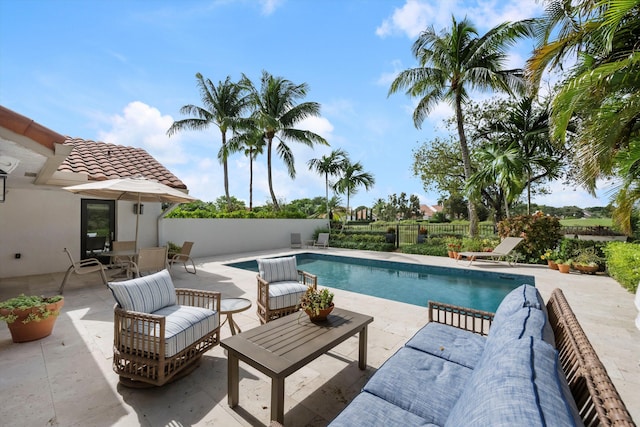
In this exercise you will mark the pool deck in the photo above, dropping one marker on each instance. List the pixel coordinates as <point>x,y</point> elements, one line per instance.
<point>66,379</point>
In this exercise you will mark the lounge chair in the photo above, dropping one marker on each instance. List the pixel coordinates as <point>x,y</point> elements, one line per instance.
<point>296,240</point>
<point>502,251</point>
<point>184,257</point>
<point>322,242</point>
<point>86,266</point>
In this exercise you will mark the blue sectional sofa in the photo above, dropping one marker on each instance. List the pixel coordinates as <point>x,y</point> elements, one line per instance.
<point>473,368</point>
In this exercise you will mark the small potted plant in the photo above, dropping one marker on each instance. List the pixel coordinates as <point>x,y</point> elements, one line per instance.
<point>30,318</point>
<point>390,237</point>
<point>564,266</point>
<point>550,256</point>
<point>587,261</point>
<point>422,234</point>
<point>317,303</point>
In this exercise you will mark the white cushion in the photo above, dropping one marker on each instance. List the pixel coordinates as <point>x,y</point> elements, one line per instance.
<point>283,269</point>
<point>185,325</point>
<point>285,294</point>
<point>145,294</point>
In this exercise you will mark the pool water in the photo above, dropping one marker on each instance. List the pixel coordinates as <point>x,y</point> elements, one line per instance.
<point>409,283</point>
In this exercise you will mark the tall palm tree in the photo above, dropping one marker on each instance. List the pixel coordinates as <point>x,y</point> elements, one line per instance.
<point>330,165</point>
<point>222,106</point>
<point>453,60</point>
<point>352,177</point>
<point>601,90</point>
<point>251,142</point>
<point>276,113</point>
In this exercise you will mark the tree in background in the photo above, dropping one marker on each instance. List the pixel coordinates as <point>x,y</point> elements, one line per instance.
<point>352,177</point>
<point>451,61</point>
<point>251,142</point>
<point>331,165</point>
<point>276,112</point>
<point>222,106</point>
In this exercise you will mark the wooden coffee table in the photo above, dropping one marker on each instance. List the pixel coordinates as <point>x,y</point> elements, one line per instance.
<point>284,345</point>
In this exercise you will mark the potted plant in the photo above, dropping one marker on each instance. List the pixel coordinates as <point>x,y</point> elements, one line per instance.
<point>391,235</point>
<point>564,266</point>
<point>550,256</point>
<point>453,247</point>
<point>587,261</point>
<point>422,234</point>
<point>317,303</point>
<point>30,318</point>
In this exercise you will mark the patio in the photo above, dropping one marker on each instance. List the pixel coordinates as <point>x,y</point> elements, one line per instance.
<point>66,379</point>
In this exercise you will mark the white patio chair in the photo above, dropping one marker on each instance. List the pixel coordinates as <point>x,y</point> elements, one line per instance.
<point>86,266</point>
<point>503,250</point>
<point>323,241</point>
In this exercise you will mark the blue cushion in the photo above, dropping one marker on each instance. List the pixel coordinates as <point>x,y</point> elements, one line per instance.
<point>368,410</point>
<point>516,384</point>
<point>450,343</point>
<point>425,385</point>
<point>145,294</point>
<point>278,269</point>
<point>522,296</point>
<point>525,322</point>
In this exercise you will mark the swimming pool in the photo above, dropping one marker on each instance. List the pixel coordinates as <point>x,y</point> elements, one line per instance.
<point>410,283</point>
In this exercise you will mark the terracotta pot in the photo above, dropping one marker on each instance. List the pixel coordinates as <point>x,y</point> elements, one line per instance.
<point>31,331</point>
<point>552,264</point>
<point>564,268</point>
<point>450,254</point>
<point>320,317</point>
<point>586,269</point>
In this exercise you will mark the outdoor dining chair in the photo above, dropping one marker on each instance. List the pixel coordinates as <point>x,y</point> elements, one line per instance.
<point>86,266</point>
<point>151,260</point>
<point>125,263</point>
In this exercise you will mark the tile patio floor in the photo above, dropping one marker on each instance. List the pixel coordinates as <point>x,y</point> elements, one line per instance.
<point>66,379</point>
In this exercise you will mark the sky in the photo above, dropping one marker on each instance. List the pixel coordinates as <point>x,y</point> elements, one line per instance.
<point>119,72</point>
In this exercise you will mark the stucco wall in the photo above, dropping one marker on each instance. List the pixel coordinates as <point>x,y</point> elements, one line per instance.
<point>39,223</point>
<point>229,236</point>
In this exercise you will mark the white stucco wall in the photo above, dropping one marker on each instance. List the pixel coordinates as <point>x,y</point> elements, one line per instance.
<point>230,236</point>
<point>39,223</point>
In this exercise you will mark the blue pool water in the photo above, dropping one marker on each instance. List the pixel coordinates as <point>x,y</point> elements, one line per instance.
<point>410,283</point>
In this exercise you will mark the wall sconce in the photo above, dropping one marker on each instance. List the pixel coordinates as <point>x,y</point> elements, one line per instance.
<point>3,186</point>
<point>138,211</point>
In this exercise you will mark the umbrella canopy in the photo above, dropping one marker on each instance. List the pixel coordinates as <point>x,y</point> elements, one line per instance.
<point>132,189</point>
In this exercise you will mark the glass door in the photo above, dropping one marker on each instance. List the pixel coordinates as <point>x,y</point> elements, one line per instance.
<point>98,225</point>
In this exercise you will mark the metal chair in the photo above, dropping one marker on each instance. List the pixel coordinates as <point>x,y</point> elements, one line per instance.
<point>86,266</point>
<point>126,263</point>
<point>184,257</point>
<point>296,240</point>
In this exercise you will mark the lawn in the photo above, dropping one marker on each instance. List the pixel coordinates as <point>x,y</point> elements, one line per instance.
<point>587,222</point>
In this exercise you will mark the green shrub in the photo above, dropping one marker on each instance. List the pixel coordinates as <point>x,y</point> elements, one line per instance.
<point>540,233</point>
<point>431,246</point>
<point>623,263</point>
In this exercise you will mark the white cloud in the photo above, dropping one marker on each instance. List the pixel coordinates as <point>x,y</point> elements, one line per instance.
<point>143,126</point>
<point>414,16</point>
<point>269,6</point>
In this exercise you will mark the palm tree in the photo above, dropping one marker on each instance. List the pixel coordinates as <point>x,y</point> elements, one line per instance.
<point>526,129</point>
<point>330,165</point>
<point>353,176</point>
<point>251,143</point>
<point>222,106</point>
<point>276,113</point>
<point>602,90</point>
<point>451,61</point>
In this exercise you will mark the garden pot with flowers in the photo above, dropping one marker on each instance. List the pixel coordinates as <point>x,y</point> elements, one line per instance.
<point>317,303</point>
<point>30,318</point>
<point>550,256</point>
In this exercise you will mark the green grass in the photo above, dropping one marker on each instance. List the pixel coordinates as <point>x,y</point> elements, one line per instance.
<point>587,222</point>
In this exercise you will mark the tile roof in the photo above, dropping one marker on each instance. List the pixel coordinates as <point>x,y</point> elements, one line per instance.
<point>102,161</point>
<point>25,126</point>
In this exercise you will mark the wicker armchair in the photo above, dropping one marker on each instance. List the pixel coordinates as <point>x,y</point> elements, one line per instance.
<point>161,332</point>
<point>280,286</point>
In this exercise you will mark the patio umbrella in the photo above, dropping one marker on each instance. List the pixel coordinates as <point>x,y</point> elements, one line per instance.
<point>132,189</point>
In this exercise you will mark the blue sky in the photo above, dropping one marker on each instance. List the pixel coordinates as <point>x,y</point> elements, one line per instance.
<point>119,71</point>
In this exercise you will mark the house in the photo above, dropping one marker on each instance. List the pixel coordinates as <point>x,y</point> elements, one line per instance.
<point>38,219</point>
<point>428,211</point>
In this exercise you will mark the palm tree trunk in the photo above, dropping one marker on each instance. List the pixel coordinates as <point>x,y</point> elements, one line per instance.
<point>326,193</point>
<point>225,168</point>
<point>466,162</point>
<point>273,195</point>
<point>250,180</point>
<point>528,192</point>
